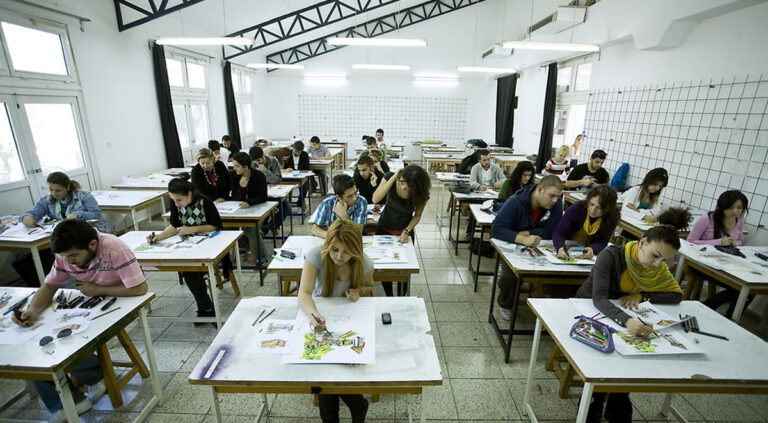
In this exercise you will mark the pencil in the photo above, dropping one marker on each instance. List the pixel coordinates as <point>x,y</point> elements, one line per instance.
<point>268,314</point>
<point>259,317</point>
<point>104,314</point>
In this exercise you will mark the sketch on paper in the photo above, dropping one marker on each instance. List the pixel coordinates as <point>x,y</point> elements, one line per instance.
<point>316,346</point>
<point>550,254</point>
<point>275,337</point>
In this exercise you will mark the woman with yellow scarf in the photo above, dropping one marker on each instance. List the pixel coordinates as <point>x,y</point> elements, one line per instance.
<point>590,222</point>
<point>634,273</point>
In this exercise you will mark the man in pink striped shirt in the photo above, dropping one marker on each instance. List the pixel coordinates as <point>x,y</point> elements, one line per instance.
<point>100,264</point>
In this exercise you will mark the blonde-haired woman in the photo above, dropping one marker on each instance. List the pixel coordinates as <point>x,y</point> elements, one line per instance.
<point>559,164</point>
<point>210,176</point>
<point>338,268</point>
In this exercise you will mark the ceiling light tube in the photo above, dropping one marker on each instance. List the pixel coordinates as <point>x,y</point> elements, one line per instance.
<point>274,66</point>
<point>436,78</point>
<point>376,42</point>
<point>480,69</point>
<point>381,67</point>
<point>325,78</point>
<point>210,41</point>
<point>538,45</point>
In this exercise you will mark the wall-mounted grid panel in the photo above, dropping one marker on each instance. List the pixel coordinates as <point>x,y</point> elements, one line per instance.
<point>710,135</point>
<point>404,119</point>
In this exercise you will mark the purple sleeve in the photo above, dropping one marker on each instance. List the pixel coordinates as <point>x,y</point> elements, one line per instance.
<point>569,225</point>
<point>739,229</point>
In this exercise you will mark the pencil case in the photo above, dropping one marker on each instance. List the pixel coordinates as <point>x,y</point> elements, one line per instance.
<point>593,333</point>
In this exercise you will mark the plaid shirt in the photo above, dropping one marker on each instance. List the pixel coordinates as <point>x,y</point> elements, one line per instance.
<point>325,215</point>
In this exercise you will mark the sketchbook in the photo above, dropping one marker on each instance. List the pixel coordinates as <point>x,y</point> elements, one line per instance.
<point>550,254</point>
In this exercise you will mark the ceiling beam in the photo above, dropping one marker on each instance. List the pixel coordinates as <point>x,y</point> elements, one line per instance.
<point>372,28</point>
<point>149,9</point>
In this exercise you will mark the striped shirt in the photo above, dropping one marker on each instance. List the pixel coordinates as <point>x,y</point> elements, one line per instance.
<point>113,264</point>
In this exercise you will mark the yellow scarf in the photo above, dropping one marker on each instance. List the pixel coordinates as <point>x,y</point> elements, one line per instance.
<point>657,279</point>
<point>591,229</point>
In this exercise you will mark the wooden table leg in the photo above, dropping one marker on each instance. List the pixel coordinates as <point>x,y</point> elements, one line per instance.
<point>110,380</point>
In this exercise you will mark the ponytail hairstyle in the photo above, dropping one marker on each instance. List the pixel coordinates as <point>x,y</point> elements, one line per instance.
<point>724,202</point>
<point>351,235</point>
<point>677,217</point>
<point>181,186</point>
<point>243,159</point>
<point>654,176</point>
<point>61,179</point>
<point>606,197</point>
<point>663,233</point>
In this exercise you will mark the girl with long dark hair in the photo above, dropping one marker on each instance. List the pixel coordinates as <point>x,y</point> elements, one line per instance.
<point>590,222</point>
<point>520,177</point>
<point>643,201</point>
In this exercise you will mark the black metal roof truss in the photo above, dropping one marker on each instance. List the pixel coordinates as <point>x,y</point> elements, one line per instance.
<point>148,9</point>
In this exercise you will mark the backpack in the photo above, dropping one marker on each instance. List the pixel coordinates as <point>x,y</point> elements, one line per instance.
<point>462,187</point>
<point>619,180</point>
<point>477,143</point>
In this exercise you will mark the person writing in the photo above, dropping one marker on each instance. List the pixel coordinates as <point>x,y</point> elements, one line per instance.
<point>590,173</point>
<point>338,268</point>
<point>485,174</point>
<point>219,154</point>
<point>367,178</point>
<point>405,194</point>
<point>192,213</point>
<point>210,176</point>
<point>100,264</point>
<point>345,204</point>
<point>298,159</point>
<point>249,187</point>
<point>521,177</point>
<point>527,217</point>
<point>632,273</point>
<point>643,201</point>
<point>590,222</point>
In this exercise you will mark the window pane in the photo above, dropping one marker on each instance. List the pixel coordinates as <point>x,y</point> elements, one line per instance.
<point>33,50</point>
<point>10,163</point>
<point>583,74</point>
<point>248,118</point>
<point>564,79</point>
<point>181,124</point>
<point>196,75</point>
<point>247,83</point>
<point>175,75</point>
<point>54,132</point>
<point>199,118</point>
<point>235,82</point>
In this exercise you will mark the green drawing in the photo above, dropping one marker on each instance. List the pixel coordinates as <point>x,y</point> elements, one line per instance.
<point>316,346</point>
<point>639,343</point>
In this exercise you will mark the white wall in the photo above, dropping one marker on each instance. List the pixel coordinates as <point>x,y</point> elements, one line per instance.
<point>530,109</point>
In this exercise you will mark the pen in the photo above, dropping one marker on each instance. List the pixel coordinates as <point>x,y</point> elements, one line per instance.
<point>151,238</point>
<point>19,303</point>
<point>259,317</point>
<point>651,326</point>
<point>103,314</point>
<point>268,314</point>
<point>109,303</point>
<point>317,319</point>
<point>200,240</point>
<point>710,334</point>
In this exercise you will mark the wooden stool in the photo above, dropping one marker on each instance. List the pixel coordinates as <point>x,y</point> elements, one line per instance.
<point>232,280</point>
<point>108,367</point>
<point>565,374</point>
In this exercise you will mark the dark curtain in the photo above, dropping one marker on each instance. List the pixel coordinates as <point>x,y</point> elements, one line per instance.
<point>548,123</point>
<point>165,105</point>
<point>231,105</point>
<point>506,103</point>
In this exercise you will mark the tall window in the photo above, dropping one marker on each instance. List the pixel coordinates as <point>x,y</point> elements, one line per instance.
<point>242,84</point>
<point>573,79</point>
<point>188,78</point>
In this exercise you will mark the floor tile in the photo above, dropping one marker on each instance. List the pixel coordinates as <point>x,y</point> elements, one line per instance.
<point>462,334</point>
<point>454,312</point>
<point>438,403</point>
<point>483,399</point>
<point>472,362</point>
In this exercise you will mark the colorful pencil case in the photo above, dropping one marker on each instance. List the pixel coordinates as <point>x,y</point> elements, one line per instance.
<point>593,333</point>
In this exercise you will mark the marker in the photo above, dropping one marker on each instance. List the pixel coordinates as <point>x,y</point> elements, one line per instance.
<point>109,303</point>
<point>317,319</point>
<point>276,257</point>
<point>19,303</point>
<point>651,326</point>
<point>268,314</point>
<point>151,238</point>
<point>259,317</point>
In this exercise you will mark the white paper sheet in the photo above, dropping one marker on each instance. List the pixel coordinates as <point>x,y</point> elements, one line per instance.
<point>227,207</point>
<point>551,255</point>
<point>274,337</point>
<point>170,244</point>
<point>49,323</point>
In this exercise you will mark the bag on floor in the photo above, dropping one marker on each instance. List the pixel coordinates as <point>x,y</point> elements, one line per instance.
<point>484,247</point>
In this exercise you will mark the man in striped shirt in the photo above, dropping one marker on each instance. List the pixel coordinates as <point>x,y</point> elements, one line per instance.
<point>99,264</point>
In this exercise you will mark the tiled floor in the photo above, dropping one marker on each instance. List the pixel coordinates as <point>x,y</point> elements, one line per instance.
<point>477,385</point>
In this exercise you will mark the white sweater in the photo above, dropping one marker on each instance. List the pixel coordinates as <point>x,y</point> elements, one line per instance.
<point>631,196</point>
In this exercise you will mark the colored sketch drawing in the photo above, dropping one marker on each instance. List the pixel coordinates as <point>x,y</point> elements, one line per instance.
<point>12,334</point>
<point>275,337</point>
<point>639,344</point>
<point>551,255</point>
<point>387,254</point>
<point>317,345</point>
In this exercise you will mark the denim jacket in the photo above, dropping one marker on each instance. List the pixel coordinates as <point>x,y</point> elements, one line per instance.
<point>82,205</point>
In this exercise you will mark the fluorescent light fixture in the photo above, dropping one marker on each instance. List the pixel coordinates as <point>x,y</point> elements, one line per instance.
<point>376,42</point>
<point>325,79</point>
<point>381,67</point>
<point>436,78</point>
<point>537,45</point>
<point>211,41</point>
<point>480,69</point>
<point>274,66</point>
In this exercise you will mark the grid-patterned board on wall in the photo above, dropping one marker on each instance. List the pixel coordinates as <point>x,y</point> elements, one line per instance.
<point>403,118</point>
<point>711,135</point>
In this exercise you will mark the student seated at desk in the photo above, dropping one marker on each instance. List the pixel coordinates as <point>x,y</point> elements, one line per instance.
<point>220,154</point>
<point>232,146</point>
<point>210,176</point>
<point>192,213</point>
<point>559,164</point>
<point>634,273</point>
<point>722,227</point>
<point>249,186</point>
<point>403,207</point>
<point>590,173</point>
<point>338,268</point>
<point>101,264</point>
<point>590,222</point>
<point>298,160</point>
<point>526,218</point>
<point>467,163</point>
<point>378,161</point>
<point>643,201</point>
<point>346,203</point>
<point>65,200</point>
<point>318,151</point>
<point>270,167</point>
<point>521,177</point>
<point>367,178</point>
<point>383,144</point>
<point>371,144</point>
<point>485,174</point>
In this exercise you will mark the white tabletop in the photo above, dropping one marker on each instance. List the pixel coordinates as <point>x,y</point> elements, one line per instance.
<point>741,359</point>
<point>279,190</point>
<point>451,177</point>
<point>20,233</point>
<point>508,157</point>
<point>442,156</point>
<point>297,174</point>
<point>256,211</point>
<point>305,243</point>
<point>481,217</point>
<point>523,261</point>
<point>175,171</point>
<point>751,270</point>
<point>405,350</point>
<point>207,250</point>
<point>563,177</point>
<point>132,198</point>
<point>323,162</point>
<point>477,195</point>
<point>29,355</point>
<point>154,181</point>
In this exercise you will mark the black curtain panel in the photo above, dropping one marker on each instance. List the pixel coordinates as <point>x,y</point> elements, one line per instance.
<point>506,103</point>
<point>548,123</point>
<point>165,105</point>
<point>231,106</point>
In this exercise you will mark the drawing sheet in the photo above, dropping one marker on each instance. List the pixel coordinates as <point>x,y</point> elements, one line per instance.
<point>551,255</point>
<point>385,249</point>
<point>170,244</point>
<point>49,323</point>
<point>228,206</point>
<point>275,337</point>
<point>671,340</point>
<point>352,338</point>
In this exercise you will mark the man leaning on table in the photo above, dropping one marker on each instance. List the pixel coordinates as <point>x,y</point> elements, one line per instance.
<point>99,264</point>
<point>345,203</point>
<point>526,218</point>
